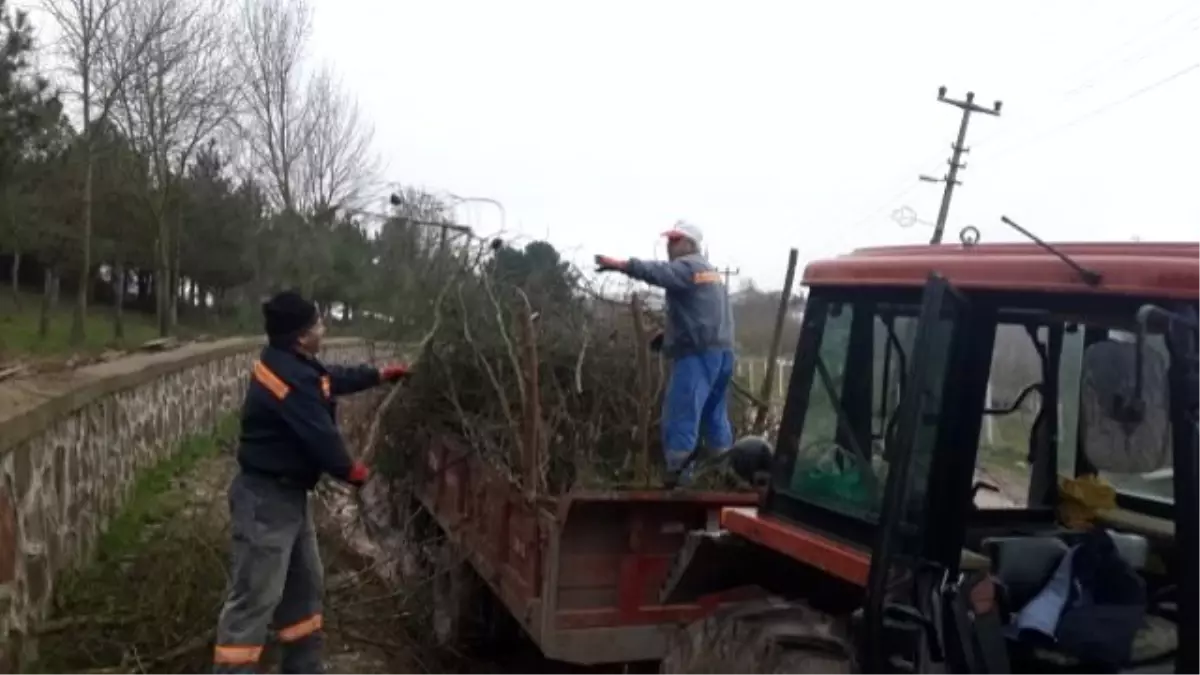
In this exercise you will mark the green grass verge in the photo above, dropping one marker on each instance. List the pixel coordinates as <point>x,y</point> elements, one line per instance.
<point>19,328</point>
<point>152,500</point>
<point>146,600</point>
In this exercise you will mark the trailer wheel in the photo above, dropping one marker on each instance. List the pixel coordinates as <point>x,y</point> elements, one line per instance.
<point>456,592</point>
<point>466,613</point>
<point>769,636</point>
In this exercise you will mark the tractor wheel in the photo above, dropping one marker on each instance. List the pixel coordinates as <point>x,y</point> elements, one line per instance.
<point>768,636</point>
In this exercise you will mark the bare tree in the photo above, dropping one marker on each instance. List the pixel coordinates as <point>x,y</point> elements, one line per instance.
<point>91,41</point>
<point>307,135</point>
<point>309,142</point>
<point>337,166</point>
<point>270,51</point>
<point>179,93</point>
<point>338,161</point>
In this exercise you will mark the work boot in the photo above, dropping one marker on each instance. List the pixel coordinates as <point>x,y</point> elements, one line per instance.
<point>676,479</point>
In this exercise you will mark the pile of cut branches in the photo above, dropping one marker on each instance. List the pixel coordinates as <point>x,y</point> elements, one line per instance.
<point>538,373</point>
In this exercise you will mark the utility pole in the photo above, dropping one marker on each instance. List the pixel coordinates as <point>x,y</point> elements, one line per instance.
<point>729,272</point>
<point>951,178</point>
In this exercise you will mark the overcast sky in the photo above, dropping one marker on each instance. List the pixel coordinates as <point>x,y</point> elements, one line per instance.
<point>777,124</point>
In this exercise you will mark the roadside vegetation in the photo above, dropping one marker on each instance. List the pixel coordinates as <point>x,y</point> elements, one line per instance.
<point>147,599</point>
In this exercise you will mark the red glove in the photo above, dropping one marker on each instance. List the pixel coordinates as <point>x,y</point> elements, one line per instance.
<point>358,474</point>
<point>394,372</point>
<point>608,264</point>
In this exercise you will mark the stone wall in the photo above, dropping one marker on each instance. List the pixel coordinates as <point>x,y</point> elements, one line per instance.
<point>71,445</point>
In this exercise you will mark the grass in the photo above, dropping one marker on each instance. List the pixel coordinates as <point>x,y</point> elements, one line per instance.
<point>149,598</point>
<point>152,501</point>
<point>19,329</point>
<point>19,337</point>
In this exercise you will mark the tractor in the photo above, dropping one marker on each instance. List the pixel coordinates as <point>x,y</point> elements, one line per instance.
<point>961,420</point>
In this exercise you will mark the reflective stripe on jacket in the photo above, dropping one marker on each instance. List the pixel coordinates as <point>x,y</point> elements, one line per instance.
<point>698,313</point>
<point>289,416</point>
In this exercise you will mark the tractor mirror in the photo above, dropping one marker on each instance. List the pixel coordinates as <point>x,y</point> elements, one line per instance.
<point>1125,423</point>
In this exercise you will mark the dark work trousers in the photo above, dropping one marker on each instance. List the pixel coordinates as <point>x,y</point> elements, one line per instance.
<point>275,579</point>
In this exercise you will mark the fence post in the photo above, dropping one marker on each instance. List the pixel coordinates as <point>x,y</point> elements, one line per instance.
<point>785,296</point>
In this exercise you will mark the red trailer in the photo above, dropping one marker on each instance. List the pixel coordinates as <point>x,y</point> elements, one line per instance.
<point>579,572</point>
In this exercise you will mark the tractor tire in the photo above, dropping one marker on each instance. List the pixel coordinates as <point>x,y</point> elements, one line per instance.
<point>767,636</point>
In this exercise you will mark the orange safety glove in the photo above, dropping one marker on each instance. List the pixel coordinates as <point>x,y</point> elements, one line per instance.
<point>394,372</point>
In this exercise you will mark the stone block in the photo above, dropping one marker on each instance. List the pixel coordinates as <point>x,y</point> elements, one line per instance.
<point>22,468</point>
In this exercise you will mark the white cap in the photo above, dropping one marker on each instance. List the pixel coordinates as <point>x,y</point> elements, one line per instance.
<point>685,231</point>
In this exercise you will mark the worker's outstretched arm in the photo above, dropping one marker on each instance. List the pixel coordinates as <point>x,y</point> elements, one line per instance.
<point>352,379</point>
<point>305,412</point>
<point>674,275</point>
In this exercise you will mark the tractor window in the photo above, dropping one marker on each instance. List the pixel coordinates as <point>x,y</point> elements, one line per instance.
<point>820,421</point>
<point>1012,405</point>
<point>893,336</point>
<point>852,398</point>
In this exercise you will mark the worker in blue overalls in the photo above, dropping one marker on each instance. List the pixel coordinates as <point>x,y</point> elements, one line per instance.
<point>699,341</point>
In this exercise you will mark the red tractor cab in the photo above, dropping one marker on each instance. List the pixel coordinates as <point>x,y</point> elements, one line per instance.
<point>958,421</point>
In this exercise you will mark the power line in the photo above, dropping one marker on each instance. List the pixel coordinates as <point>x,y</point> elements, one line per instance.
<point>1087,76</point>
<point>1150,30</point>
<point>909,184</point>
<point>1095,112</point>
<point>1150,87</point>
<point>1132,59</point>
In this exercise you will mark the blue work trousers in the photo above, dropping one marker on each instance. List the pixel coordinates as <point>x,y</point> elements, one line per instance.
<point>695,401</point>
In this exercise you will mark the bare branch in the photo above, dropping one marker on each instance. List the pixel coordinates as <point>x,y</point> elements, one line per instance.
<point>99,51</point>
<point>338,162</point>
<point>269,51</point>
<point>179,91</point>
<point>308,138</point>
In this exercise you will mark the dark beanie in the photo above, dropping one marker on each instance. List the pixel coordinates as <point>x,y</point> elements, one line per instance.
<point>287,315</point>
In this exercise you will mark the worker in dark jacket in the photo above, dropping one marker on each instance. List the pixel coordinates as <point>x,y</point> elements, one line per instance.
<point>699,341</point>
<point>289,438</point>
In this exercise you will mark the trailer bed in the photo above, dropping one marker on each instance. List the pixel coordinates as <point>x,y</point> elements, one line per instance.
<point>580,572</point>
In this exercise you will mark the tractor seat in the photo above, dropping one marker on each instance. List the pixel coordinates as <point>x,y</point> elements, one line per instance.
<point>1023,566</point>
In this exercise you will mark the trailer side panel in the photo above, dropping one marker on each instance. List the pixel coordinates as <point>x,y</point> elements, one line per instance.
<point>581,572</point>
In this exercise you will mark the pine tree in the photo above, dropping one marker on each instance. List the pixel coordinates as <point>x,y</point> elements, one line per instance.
<point>27,106</point>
